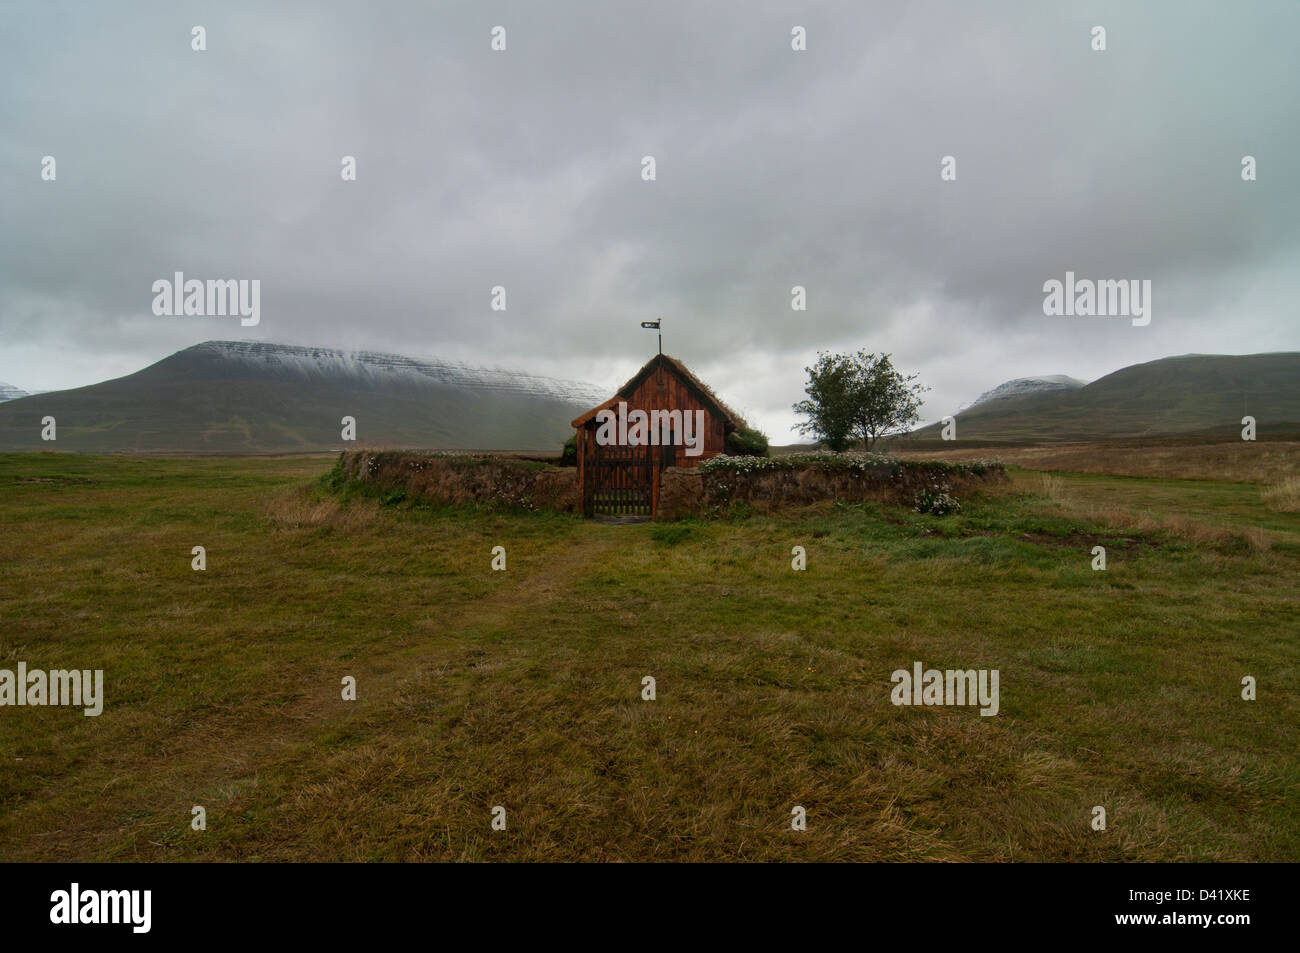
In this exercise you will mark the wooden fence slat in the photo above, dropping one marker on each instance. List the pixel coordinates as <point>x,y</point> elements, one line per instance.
<point>619,481</point>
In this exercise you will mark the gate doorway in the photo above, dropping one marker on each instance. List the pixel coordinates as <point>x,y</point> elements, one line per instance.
<point>619,481</point>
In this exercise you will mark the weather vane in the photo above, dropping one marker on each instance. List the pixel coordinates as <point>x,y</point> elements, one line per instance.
<point>654,326</point>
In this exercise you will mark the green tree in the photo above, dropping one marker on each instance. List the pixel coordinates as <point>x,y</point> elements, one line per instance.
<point>884,401</point>
<point>829,405</point>
<point>860,396</point>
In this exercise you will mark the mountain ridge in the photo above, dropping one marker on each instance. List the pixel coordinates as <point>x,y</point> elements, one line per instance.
<point>252,397</point>
<point>316,360</point>
<point>1183,394</point>
<point>1025,385</point>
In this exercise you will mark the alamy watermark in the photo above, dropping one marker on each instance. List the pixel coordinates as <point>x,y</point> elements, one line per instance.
<point>214,297</point>
<point>133,907</point>
<point>76,687</point>
<point>1126,297</point>
<point>654,428</point>
<point>930,686</point>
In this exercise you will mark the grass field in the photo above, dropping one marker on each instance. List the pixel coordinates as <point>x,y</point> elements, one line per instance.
<point>1230,461</point>
<point>522,688</point>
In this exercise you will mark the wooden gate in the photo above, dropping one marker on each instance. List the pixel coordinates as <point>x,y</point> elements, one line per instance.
<point>618,481</point>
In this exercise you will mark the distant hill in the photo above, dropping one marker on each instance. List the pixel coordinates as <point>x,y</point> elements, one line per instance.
<point>1190,394</point>
<point>1026,385</point>
<point>10,392</point>
<point>239,397</point>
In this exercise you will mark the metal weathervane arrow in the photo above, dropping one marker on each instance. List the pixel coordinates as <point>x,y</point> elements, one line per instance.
<point>654,326</point>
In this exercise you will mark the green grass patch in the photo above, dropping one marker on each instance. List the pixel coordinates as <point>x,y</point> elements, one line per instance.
<point>523,688</point>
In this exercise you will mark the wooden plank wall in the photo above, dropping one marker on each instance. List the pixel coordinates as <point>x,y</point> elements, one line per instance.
<point>662,389</point>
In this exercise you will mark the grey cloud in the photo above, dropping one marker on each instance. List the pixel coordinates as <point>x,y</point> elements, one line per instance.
<point>775,168</point>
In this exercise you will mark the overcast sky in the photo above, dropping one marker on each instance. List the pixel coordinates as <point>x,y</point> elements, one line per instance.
<point>775,168</point>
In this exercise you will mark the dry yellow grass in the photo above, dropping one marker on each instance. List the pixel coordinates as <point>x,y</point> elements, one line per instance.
<point>1193,531</point>
<point>1229,461</point>
<point>1284,497</point>
<point>298,508</point>
<point>1137,519</point>
<point>1051,487</point>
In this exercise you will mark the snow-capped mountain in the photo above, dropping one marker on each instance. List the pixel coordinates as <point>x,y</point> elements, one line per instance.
<point>244,397</point>
<point>1026,385</point>
<point>376,366</point>
<point>10,392</point>
<point>1204,394</point>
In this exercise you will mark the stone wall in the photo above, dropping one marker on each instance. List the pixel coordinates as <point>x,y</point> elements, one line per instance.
<point>458,478</point>
<point>765,485</point>
<point>770,486</point>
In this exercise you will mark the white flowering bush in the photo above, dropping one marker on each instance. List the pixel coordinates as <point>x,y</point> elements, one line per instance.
<point>876,464</point>
<point>814,460</point>
<point>937,500</point>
